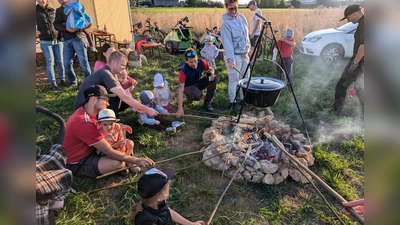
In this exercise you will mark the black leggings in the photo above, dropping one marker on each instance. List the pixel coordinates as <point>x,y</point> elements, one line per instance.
<point>164,123</point>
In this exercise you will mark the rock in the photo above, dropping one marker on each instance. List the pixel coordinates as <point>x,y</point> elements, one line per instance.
<point>230,172</point>
<point>249,162</point>
<point>257,177</point>
<point>301,153</point>
<point>257,166</point>
<point>278,178</point>
<point>295,174</point>
<point>310,159</point>
<point>268,179</point>
<point>209,134</point>
<point>261,114</point>
<point>234,160</point>
<point>303,161</point>
<point>241,169</point>
<point>284,172</point>
<point>268,167</point>
<point>304,180</point>
<point>249,168</point>
<point>307,147</point>
<point>246,175</point>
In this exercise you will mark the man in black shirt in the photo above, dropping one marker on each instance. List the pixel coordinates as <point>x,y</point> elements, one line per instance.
<point>354,70</point>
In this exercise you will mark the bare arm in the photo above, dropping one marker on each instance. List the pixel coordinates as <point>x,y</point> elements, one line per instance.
<point>105,147</point>
<point>132,102</point>
<point>181,220</point>
<point>360,54</point>
<point>181,87</point>
<point>289,42</point>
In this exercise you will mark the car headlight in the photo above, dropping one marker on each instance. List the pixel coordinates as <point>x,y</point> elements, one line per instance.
<point>312,40</point>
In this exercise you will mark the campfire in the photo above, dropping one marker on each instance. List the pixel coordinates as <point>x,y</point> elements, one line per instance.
<point>257,158</point>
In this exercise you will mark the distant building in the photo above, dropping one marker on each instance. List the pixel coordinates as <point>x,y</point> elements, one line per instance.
<point>156,3</point>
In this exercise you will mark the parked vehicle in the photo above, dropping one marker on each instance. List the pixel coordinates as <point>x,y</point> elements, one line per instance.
<point>153,32</point>
<point>331,44</point>
<point>181,37</point>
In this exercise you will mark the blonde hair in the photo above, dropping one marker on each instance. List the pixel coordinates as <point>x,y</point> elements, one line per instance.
<point>136,208</point>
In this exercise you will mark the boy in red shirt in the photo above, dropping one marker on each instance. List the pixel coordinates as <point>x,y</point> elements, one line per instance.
<point>285,45</point>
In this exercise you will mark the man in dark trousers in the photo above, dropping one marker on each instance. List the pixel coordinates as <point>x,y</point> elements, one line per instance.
<point>191,81</point>
<point>354,70</point>
<point>75,42</point>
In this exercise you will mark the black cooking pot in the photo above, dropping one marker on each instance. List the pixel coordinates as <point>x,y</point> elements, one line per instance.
<point>263,91</point>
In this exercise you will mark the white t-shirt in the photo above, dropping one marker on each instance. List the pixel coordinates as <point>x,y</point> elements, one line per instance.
<point>254,18</point>
<point>163,94</point>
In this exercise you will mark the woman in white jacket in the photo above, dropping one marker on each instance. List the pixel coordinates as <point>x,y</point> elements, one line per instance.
<point>236,42</point>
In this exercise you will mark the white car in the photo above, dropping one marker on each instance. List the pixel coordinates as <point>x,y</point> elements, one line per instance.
<point>331,44</point>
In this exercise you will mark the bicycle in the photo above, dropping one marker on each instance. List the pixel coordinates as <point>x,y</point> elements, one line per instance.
<point>266,47</point>
<point>181,37</point>
<point>153,32</point>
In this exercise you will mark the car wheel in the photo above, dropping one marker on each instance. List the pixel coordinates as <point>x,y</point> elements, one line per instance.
<point>332,52</point>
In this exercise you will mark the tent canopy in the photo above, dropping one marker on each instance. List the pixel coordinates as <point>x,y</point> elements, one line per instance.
<point>115,14</point>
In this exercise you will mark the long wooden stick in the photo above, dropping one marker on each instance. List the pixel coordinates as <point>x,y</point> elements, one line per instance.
<point>319,180</point>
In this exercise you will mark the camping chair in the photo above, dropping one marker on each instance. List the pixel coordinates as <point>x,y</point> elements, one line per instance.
<point>53,180</point>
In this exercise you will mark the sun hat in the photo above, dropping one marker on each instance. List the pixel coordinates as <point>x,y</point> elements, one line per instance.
<point>251,3</point>
<point>153,181</point>
<point>350,10</point>
<point>208,38</point>
<point>288,33</point>
<point>96,90</point>
<point>146,97</point>
<point>158,80</point>
<point>107,115</point>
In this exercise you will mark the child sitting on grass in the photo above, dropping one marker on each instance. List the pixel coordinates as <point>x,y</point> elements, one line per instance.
<point>153,188</point>
<point>162,93</point>
<point>115,134</point>
<point>157,122</point>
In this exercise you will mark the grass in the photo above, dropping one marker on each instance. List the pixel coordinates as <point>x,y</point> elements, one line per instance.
<point>338,148</point>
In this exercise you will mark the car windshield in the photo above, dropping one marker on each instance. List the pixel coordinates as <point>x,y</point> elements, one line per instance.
<point>347,27</point>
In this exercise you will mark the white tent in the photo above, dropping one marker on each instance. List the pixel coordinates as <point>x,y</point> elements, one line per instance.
<point>115,14</point>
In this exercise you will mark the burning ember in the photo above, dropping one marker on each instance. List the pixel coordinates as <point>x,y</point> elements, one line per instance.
<point>265,162</point>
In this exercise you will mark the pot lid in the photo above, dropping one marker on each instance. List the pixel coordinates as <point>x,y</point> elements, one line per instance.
<point>262,83</point>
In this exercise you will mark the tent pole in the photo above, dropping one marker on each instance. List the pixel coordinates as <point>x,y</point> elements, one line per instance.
<point>132,44</point>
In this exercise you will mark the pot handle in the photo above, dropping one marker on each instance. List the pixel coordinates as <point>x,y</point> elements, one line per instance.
<point>277,65</point>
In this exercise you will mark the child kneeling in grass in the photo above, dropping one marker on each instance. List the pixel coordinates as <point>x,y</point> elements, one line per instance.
<point>157,122</point>
<point>153,188</point>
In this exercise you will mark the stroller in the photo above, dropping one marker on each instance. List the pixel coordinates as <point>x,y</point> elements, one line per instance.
<point>181,37</point>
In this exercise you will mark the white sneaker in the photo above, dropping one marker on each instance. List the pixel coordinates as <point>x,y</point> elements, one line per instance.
<point>171,129</point>
<point>177,124</point>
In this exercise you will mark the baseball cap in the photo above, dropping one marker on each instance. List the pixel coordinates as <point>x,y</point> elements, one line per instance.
<point>208,38</point>
<point>107,114</point>
<point>96,90</point>
<point>288,33</point>
<point>153,181</point>
<point>350,9</point>
<point>146,97</point>
<point>158,80</point>
<point>251,3</point>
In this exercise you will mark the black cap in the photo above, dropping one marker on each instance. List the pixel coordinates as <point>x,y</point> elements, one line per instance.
<point>96,90</point>
<point>153,181</point>
<point>251,3</point>
<point>350,9</point>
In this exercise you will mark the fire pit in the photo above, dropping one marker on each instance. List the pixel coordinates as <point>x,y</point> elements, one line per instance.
<point>256,157</point>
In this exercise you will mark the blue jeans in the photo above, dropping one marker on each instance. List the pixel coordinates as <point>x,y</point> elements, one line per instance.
<point>50,53</point>
<point>78,46</point>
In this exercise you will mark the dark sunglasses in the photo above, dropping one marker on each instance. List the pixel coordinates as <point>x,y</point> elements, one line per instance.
<point>191,54</point>
<point>233,9</point>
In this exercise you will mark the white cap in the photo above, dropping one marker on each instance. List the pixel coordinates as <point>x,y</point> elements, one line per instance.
<point>107,114</point>
<point>158,80</point>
